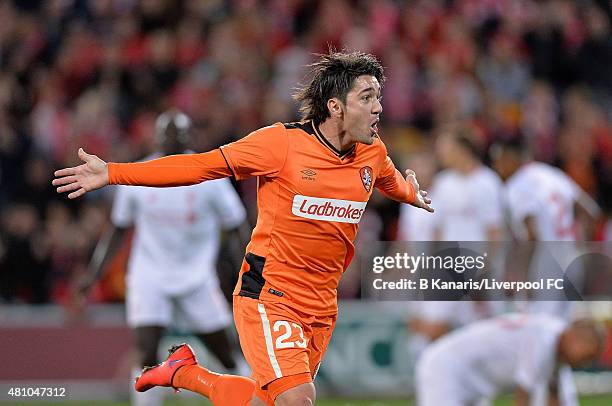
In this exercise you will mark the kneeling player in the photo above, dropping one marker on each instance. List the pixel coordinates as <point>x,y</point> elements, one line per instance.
<point>517,351</point>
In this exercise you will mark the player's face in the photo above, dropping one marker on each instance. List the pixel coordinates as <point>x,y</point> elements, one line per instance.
<point>446,150</point>
<point>171,141</point>
<point>362,110</point>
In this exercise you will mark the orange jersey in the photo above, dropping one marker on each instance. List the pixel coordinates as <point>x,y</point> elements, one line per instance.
<point>310,200</point>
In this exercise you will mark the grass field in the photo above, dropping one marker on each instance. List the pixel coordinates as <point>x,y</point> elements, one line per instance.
<point>584,401</point>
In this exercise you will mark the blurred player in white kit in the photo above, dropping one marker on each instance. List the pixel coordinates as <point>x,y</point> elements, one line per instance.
<point>519,351</point>
<point>457,218</point>
<point>544,205</point>
<point>171,278</point>
<point>543,202</point>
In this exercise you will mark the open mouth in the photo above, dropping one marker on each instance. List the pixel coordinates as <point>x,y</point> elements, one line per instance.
<point>374,127</point>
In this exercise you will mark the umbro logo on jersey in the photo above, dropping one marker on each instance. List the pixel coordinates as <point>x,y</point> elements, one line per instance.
<point>316,208</point>
<point>308,174</point>
<point>365,174</point>
<point>276,292</point>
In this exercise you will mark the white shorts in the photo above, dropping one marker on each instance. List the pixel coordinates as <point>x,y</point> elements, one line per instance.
<point>201,310</point>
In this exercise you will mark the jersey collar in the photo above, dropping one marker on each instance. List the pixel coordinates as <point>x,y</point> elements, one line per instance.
<point>326,143</point>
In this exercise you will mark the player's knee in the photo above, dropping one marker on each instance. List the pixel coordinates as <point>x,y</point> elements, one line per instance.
<point>301,395</point>
<point>297,400</point>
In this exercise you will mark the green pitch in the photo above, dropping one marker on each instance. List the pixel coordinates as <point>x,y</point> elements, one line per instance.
<point>584,401</point>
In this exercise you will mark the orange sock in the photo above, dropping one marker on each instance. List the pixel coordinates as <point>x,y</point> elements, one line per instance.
<point>222,390</point>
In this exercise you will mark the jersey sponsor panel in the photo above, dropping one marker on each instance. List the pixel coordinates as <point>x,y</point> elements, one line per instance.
<point>344,211</point>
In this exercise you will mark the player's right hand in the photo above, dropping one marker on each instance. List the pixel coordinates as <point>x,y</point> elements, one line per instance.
<point>78,180</point>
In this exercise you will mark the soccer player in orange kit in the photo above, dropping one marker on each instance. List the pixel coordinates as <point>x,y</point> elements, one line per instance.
<point>314,180</point>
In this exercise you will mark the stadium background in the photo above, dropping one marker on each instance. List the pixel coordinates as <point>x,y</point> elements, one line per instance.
<point>97,73</point>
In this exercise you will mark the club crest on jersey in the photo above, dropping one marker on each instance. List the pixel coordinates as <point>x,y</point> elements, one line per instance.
<point>365,174</point>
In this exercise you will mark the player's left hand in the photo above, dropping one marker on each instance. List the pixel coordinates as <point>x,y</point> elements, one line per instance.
<point>421,201</point>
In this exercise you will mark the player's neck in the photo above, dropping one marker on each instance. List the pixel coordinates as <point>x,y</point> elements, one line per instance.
<point>336,135</point>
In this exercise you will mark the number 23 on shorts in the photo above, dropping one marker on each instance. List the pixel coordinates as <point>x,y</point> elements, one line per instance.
<point>284,339</point>
<point>275,339</point>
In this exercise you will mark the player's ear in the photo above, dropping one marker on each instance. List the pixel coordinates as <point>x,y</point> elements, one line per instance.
<point>335,108</point>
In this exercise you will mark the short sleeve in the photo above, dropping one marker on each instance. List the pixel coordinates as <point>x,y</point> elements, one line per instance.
<point>227,204</point>
<point>261,153</point>
<point>124,208</point>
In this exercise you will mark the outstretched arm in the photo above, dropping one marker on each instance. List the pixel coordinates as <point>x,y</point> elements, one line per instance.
<point>261,153</point>
<point>173,170</point>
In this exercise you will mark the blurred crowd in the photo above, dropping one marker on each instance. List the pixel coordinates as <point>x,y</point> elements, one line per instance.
<point>96,73</point>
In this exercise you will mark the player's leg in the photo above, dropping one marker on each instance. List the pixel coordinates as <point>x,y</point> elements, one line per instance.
<point>294,336</point>
<point>181,370</point>
<point>206,312</point>
<point>218,344</point>
<point>568,394</point>
<point>301,395</point>
<point>147,340</point>
<point>267,332</point>
<point>274,339</point>
<point>321,329</point>
<point>148,310</point>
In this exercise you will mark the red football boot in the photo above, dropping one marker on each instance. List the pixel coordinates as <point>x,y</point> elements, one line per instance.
<point>162,374</point>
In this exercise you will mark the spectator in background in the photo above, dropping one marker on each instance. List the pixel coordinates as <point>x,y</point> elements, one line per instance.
<point>25,257</point>
<point>595,55</point>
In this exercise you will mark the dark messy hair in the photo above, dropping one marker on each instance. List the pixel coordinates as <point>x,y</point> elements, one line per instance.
<point>332,76</point>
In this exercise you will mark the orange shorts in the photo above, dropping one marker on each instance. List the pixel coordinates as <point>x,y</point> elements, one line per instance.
<point>283,346</point>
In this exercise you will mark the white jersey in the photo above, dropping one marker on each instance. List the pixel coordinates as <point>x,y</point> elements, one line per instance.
<point>415,225</point>
<point>176,240</point>
<point>488,357</point>
<point>548,195</point>
<point>467,206</point>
